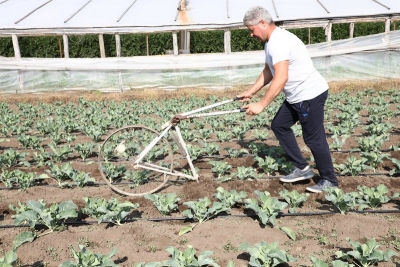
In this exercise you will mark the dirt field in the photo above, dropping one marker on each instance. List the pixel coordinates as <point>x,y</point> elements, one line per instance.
<point>145,240</point>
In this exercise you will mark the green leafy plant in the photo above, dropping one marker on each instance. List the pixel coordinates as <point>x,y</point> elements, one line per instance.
<point>84,150</point>
<point>22,238</point>
<point>59,153</point>
<point>165,203</point>
<point>220,168</point>
<point>379,128</point>
<point>384,114</point>
<point>246,173</point>
<point>94,132</point>
<point>12,158</point>
<point>366,254</point>
<point>229,198</point>
<point>259,121</point>
<point>266,255</point>
<point>348,116</point>
<point>194,151</point>
<point>47,126</point>
<point>371,143</point>
<point>42,157</point>
<point>9,259</point>
<point>338,143</point>
<point>285,165</point>
<point>342,201</point>
<point>86,258</point>
<point>268,209</point>
<point>36,212</point>
<point>210,149</point>
<point>189,258</point>
<point>69,138</point>
<point>340,130</point>
<point>82,178</point>
<point>200,212</point>
<point>289,232</point>
<point>337,263</point>
<point>239,132</point>
<point>223,136</point>
<point>30,141</point>
<point>110,210</point>
<point>136,178</point>
<point>57,136</point>
<point>205,133</point>
<point>395,147</point>
<point>258,148</point>
<point>293,198</point>
<point>268,164</point>
<point>235,153</point>
<point>374,158</point>
<point>155,153</point>
<point>22,179</point>
<point>259,134</point>
<point>297,130</point>
<point>352,167</point>
<point>113,171</point>
<point>61,173</point>
<point>188,135</point>
<point>396,167</point>
<point>371,197</point>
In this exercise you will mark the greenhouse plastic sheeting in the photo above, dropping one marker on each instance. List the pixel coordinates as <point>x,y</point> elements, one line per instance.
<point>369,57</point>
<point>104,16</point>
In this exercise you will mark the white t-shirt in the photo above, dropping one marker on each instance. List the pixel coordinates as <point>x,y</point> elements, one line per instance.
<point>304,81</point>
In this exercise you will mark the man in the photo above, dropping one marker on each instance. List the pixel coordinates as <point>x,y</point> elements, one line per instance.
<point>289,69</point>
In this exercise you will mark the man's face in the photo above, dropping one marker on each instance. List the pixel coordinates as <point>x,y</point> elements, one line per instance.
<point>258,31</point>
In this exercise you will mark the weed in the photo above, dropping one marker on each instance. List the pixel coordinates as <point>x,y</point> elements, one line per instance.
<point>322,240</point>
<point>152,249</point>
<point>52,252</point>
<point>228,247</point>
<point>84,241</point>
<point>182,241</point>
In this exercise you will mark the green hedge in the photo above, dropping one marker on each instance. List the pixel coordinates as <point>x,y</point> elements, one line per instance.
<point>87,46</point>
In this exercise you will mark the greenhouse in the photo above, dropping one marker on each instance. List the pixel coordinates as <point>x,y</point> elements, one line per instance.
<point>365,57</point>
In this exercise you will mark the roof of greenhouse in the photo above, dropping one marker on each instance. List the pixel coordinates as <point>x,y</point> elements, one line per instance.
<point>31,17</point>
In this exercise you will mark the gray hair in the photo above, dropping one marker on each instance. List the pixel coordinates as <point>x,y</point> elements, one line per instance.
<point>255,14</point>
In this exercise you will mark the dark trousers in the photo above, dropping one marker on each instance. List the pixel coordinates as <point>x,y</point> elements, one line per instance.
<point>310,114</point>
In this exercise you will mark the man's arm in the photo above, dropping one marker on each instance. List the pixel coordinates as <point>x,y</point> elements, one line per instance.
<point>262,80</point>
<point>277,84</point>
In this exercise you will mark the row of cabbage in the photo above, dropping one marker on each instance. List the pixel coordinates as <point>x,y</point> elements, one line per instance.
<point>52,134</point>
<point>265,207</point>
<point>95,118</point>
<point>261,254</point>
<point>65,176</point>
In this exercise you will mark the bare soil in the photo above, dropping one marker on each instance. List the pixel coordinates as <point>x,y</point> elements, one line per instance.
<point>145,240</point>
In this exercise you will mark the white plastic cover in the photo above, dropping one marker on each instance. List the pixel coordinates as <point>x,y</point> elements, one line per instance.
<point>106,16</point>
<point>361,58</point>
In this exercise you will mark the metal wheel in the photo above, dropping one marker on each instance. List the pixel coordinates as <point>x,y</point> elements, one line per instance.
<point>118,153</point>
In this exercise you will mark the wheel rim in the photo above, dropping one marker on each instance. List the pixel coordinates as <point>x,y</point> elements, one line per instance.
<point>116,164</point>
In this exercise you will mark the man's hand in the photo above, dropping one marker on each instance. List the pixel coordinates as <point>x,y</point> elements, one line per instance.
<point>254,108</point>
<point>246,96</point>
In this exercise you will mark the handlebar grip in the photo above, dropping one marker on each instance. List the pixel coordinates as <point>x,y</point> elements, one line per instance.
<point>237,98</point>
<point>243,109</point>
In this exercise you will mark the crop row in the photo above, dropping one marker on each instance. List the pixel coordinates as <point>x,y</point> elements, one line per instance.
<point>266,208</point>
<point>64,174</point>
<point>49,133</point>
<point>261,254</point>
<point>95,118</point>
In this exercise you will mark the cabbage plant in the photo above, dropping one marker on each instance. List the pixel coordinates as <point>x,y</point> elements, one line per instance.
<point>365,255</point>
<point>266,207</point>
<point>266,255</point>
<point>165,203</point>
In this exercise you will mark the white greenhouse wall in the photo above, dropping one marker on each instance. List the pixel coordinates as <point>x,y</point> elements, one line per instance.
<point>362,58</point>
